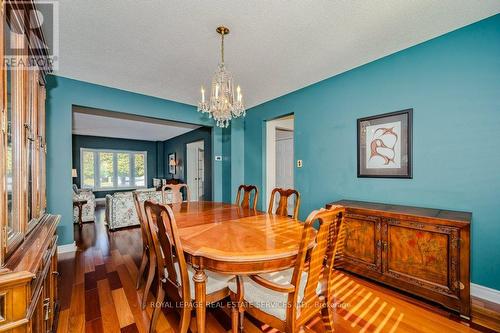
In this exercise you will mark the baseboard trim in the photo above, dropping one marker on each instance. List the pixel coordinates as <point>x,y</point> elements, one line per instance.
<point>485,293</point>
<point>66,248</point>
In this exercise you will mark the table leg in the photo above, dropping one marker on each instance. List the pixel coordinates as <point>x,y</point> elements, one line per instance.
<point>200,279</point>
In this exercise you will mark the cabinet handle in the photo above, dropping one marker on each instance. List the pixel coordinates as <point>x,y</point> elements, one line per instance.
<point>46,305</point>
<point>56,273</point>
<point>29,131</point>
<point>382,245</point>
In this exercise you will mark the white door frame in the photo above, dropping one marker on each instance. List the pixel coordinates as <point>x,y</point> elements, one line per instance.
<point>286,123</point>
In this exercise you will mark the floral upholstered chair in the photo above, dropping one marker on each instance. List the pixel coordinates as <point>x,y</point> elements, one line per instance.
<point>88,210</point>
<point>120,207</point>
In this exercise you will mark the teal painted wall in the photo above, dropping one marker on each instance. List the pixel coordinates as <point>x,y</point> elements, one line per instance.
<point>237,155</point>
<point>453,85</point>
<point>226,169</point>
<point>62,94</point>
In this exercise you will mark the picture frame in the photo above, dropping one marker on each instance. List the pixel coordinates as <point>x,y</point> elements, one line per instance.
<point>384,145</point>
<point>172,163</point>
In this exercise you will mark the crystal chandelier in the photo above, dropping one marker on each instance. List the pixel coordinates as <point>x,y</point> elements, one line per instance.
<point>223,105</point>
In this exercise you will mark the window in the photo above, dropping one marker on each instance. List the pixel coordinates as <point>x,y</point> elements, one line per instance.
<point>102,169</point>
<point>87,167</point>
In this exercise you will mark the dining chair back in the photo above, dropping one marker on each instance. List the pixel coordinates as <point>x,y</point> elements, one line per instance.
<point>247,192</point>
<point>329,220</point>
<point>176,192</point>
<point>305,292</point>
<point>174,275</point>
<point>284,195</point>
<point>139,207</point>
<point>148,253</point>
<point>168,248</point>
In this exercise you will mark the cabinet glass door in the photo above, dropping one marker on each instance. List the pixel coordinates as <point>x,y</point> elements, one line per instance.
<point>10,160</point>
<point>14,108</point>
<point>31,120</point>
<point>5,209</point>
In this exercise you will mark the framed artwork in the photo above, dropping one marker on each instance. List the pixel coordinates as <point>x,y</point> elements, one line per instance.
<point>385,145</point>
<point>171,163</point>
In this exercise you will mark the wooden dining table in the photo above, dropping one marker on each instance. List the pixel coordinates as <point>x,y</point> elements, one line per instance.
<point>228,239</point>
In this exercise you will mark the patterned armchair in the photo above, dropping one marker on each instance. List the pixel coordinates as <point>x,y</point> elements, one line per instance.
<point>120,207</point>
<point>88,210</point>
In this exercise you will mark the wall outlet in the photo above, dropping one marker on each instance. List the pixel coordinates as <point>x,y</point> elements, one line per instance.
<point>218,158</point>
<point>299,163</point>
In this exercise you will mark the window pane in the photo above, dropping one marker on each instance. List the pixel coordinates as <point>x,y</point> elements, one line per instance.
<point>124,177</point>
<point>140,177</point>
<point>106,172</point>
<point>88,169</point>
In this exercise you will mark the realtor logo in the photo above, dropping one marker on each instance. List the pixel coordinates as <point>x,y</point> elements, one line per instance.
<point>37,28</point>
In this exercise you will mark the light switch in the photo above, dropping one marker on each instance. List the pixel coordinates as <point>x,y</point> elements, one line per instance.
<point>299,163</point>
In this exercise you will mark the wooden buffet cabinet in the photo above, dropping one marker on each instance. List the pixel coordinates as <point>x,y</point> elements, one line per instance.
<point>28,240</point>
<point>422,251</point>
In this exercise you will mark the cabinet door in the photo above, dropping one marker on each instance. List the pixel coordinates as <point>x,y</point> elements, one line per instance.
<point>363,243</point>
<point>3,146</point>
<point>53,277</point>
<point>38,319</point>
<point>424,255</point>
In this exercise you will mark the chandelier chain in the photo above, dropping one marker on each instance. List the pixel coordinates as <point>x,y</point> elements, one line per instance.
<point>222,47</point>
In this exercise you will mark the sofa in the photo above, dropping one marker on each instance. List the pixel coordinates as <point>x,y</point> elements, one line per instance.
<point>120,207</point>
<point>88,210</point>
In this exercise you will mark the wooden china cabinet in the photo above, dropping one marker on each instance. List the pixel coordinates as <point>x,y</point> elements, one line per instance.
<point>28,256</point>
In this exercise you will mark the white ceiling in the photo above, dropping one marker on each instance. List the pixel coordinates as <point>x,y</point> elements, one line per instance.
<point>96,122</point>
<point>170,48</point>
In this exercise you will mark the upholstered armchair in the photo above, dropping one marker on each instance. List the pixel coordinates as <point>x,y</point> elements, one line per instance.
<point>88,210</point>
<point>120,207</point>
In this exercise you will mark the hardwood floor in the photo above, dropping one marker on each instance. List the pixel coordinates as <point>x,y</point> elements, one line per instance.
<point>97,294</point>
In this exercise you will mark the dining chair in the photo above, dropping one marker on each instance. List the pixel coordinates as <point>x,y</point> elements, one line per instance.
<point>176,192</point>
<point>148,253</point>
<point>174,275</point>
<point>284,195</point>
<point>289,299</point>
<point>247,192</point>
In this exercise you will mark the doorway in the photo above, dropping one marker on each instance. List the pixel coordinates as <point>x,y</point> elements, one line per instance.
<point>195,169</point>
<point>280,156</point>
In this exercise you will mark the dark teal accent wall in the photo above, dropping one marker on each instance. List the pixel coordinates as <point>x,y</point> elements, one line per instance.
<point>97,142</point>
<point>453,85</point>
<point>160,157</point>
<point>62,94</point>
<point>177,145</point>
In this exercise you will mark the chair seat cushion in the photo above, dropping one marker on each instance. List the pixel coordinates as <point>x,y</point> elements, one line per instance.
<point>215,281</point>
<point>267,300</point>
